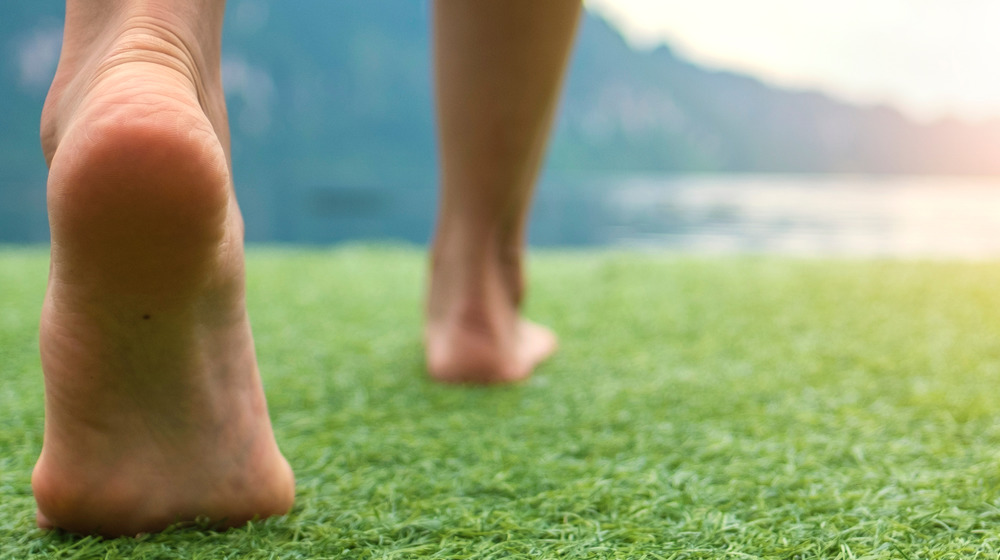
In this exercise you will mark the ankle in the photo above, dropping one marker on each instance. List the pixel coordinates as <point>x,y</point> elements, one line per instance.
<point>472,269</point>
<point>474,297</point>
<point>192,26</point>
<point>99,43</point>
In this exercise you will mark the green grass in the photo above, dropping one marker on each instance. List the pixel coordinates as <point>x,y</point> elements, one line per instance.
<point>698,408</point>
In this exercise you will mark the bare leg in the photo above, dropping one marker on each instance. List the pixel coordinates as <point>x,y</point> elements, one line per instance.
<point>154,408</point>
<point>499,67</point>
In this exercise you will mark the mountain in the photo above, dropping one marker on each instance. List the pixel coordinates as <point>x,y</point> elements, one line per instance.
<point>332,116</point>
<point>654,111</point>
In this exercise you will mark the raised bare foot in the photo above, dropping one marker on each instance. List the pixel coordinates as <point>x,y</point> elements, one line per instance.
<point>474,332</point>
<point>155,412</point>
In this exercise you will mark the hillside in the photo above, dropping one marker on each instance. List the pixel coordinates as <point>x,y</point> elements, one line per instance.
<point>331,110</point>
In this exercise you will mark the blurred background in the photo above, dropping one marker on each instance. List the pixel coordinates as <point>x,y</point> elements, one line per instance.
<point>861,127</point>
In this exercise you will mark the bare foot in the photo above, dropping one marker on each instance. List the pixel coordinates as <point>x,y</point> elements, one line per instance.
<point>474,332</point>
<point>496,101</point>
<point>155,412</point>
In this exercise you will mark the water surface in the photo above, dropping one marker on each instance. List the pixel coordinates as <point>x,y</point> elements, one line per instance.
<point>803,215</point>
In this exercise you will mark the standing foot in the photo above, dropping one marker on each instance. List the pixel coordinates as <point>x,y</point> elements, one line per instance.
<point>155,413</point>
<point>465,352</point>
<point>474,332</point>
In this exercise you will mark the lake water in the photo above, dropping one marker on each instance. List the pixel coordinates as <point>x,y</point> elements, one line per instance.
<point>855,216</point>
<point>801,215</point>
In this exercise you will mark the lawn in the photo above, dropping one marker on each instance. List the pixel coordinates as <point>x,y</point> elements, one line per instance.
<point>700,407</point>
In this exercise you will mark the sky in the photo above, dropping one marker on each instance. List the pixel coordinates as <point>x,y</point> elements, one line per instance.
<point>930,58</point>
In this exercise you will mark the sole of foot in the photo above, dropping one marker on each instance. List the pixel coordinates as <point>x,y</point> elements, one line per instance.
<point>155,412</point>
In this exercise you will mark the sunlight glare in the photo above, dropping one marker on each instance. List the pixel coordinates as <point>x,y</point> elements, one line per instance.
<point>929,57</point>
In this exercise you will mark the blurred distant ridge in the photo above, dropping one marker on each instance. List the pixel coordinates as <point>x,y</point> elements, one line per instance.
<point>331,108</point>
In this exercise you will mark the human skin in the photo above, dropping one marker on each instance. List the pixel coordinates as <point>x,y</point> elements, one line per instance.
<point>155,412</point>
<point>499,68</point>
